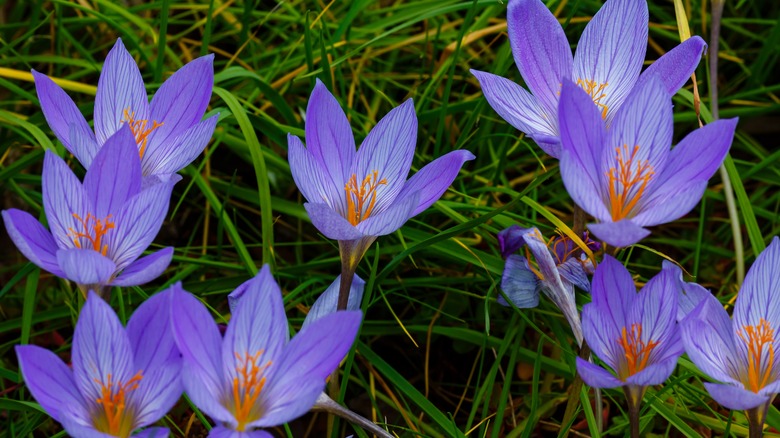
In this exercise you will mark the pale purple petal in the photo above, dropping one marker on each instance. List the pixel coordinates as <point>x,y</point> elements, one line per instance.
<point>82,429</point>
<point>655,373</point>
<point>173,156</point>
<point>145,269</point>
<point>595,376</point>
<point>205,393</point>
<point>328,300</point>
<point>622,233</point>
<point>149,332</point>
<point>153,432</point>
<point>120,88</point>
<point>63,197</point>
<point>330,223</point>
<point>434,179</point>
<point>758,297</point>
<point>390,219</point>
<point>224,432</point>
<point>735,397</point>
<point>157,392</point>
<point>510,240</point>
<point>32,240</point>
<point>655,308</point>
<point>613,292</point>
<point>114,175</point>
<point>312,179</point>
<point>674,203</point>
<point>85,266</point>
<point>709,343</point>
<point>573,271</point>
<point>676,66</point>
<point>601,334</point>
<point>519,284</point>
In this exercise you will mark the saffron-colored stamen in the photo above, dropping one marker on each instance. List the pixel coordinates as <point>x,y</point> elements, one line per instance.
<point>637,352</point>
<point>627,182</point>
<point>93,232</point>
<point>757,337</point>
<point>247,387</point>
<point>140,131</point>
<point>596,92</point>
<point>361,198</point>
<point>112,419</point>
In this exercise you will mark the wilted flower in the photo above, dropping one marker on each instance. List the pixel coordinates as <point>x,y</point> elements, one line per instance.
<point>627,177</point>
<point>609,58</point>
<point>122,379</point>
<point>557,266</point>
<point>168,132</point>
<point>254,377</point>
<point>98,228</point>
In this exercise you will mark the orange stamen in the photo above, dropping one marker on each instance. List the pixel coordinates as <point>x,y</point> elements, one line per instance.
<point>140,132</point>
<point>637,352</point>
<point>93,232</point>
<point>361,198</point>
<point>247,387</point>
<point>596,92</point>
<point>627,182</point>
<point>756,337</point>
<point>113,418</point>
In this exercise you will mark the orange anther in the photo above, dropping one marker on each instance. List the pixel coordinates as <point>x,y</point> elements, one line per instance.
<point>637,352</point>
<point>140,131</point>
<point>627,182</point>
<point>114,418</point>
<point>757,337</point>
<point>247,386</point>
<point>361,198</point>
<point>93,232</point>
<point>596,92</point>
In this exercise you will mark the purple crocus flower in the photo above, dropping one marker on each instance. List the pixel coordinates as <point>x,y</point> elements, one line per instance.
<point>253,377</point>
<point>98,228</point>
<point>740,353</point>
<point>169,132</point>
<point>559,266</point>
<point>606,65</point>
<point>627,177</point>
<point>121,380</point>
<point>635,334</point>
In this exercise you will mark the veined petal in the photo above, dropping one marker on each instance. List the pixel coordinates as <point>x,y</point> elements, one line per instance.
<point>519,283</point>
<point>601,334</point>
<point>434,179</point>
<point>757,298</point>
<point>388,149</point>
<point>175,155</point>
<point>85,266</point>
<point>330,223</point>
<point>672,202</point>
<point>120,88</point>
<point>511,239</point>
<point>655,308</point>
<point>655,373</point>
<point>622,233</point>
<point>328,301</point>
<point>63,197</point>
<point>611,50</point>
<point>114,175</point>
<point>153,432</point>
<point>540,49</point>
<point>708,339</point>
<point>145,269</point>
<point>157,392</point>
<point>595,376</point>
<point>676,66</point>
<point>573,271</point>
<point>312,180</point>
<point>613,291</point>
<point>392,218</point>
<point>224,432</point>
<point>150,335</point>
<point>735,397</point>
<point>205,393</point>
<point>82,429</point>
<point>32,240</point>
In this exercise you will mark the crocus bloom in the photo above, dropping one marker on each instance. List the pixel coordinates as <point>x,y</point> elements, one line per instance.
<point>740,353</point>
<point>356,196</point>
<point>627,177</point>
<point>559,266</point>
<point>98,228</point>
<point>607,64</point>
<point>634,333</point>
<point>121,380</point>
<point>254,377</point>
<point>169,133</point>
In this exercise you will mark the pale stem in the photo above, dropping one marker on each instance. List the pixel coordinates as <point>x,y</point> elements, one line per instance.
<point>326,404</point>
<point>634,402</point>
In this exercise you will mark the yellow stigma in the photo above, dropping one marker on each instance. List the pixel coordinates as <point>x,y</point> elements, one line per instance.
<point>596,92</point>
<point>112,416</point>
<point>757,337</point>
<point>140,131</point>
<point>361,198</point>
<point>93,230</point>
<point>247,386</point>
<point>636,351</point>
<point>627,182</point>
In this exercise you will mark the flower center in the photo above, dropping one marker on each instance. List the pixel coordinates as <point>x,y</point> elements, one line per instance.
<point>596,92</point>
<point>140,131</point>
<point>759,339</point>
<point>361,198</point>
<point>93,230</point>
<point>627,182</point>
<point>637,352</point>
<point>247,386</point>
<point>112,416</point>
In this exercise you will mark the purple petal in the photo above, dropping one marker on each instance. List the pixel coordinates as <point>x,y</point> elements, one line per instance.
<point>388,149</point>
<point>51,383</point>
<point>65,119</point>
<point>611,50</point>
<point>655,308</point>
<point>655,373</point>
<point>758,298</point>
<point>32,240</point>
<point>101,352</point>
<point>330,223</point>
<point>85,266</point>
<point>157,392</point>
<point>595,376</point>
<point>735,397</point>
<point>708,339</point>
<point>573,271</point>
<point>63,197</point>
<point>224,432</point>
<point>676,66</point>
<point>434,179</point>
<point>120,88</point>
<point>510,240</point>
<point>145,269</point>
<point>391,218</point>
<point>540,49</point>
<point>622,233</point>
<point>181,101</point>
<point>205,393</point>
<point>149,332</point>
<point>299,377</point>
<point>312,179</point>
<point>328,301</point>
<point>114,175</point>
<point>613,291</point>
<point>602,335</point>
<point>519,283</point>
<point>82,429</point>
<point>175,155</point>
<point>153,432</point>
<point>582,144</point>
<point>690,295</point>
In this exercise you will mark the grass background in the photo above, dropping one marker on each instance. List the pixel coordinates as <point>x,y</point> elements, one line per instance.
<point>436,357</point>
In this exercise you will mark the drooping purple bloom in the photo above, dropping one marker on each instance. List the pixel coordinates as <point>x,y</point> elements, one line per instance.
<point>627,177</point>
<point>327,302</point>
<point>606,65</point>
<point>740,353</point>
<point>169,132</point>
<point>635,334</point>
<point>98,228</point>
<point>356,196</point>
<point>557,266</point>
<point>253,377</point>
<point>121,380</point>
